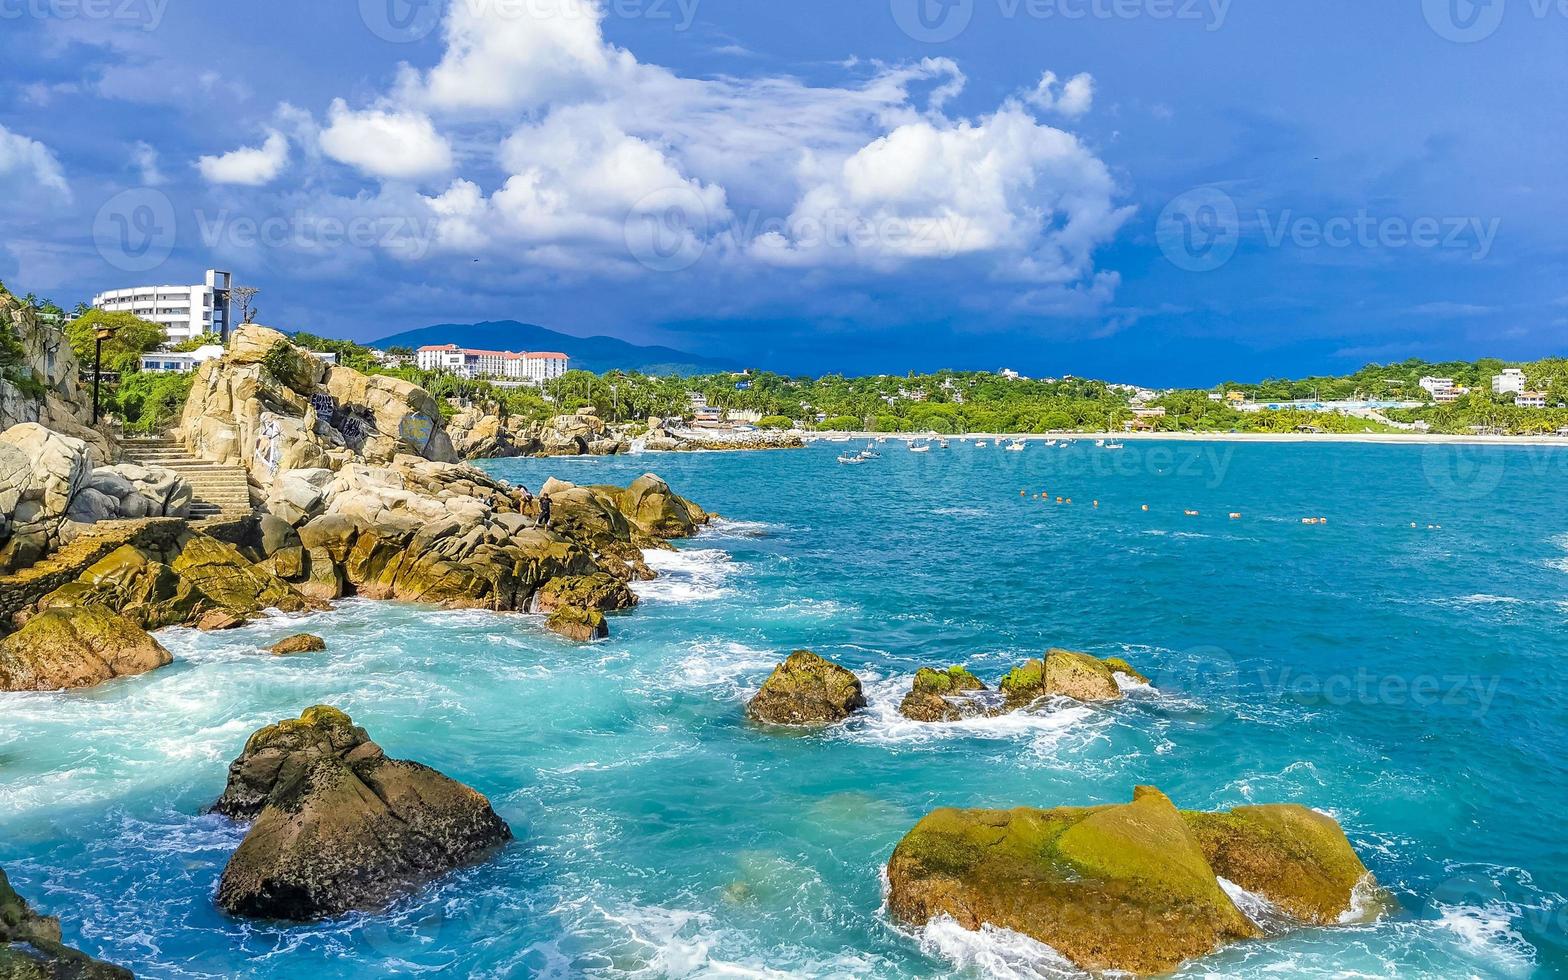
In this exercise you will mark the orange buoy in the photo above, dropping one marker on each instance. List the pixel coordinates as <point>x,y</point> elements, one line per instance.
<point>1145,506</point>
<point>1235,517</point>
<point>1058,499</point>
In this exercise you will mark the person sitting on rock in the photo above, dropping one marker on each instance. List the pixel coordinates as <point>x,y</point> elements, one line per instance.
<point>544,510</point>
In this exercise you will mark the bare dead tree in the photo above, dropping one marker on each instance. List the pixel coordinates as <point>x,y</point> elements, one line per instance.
<point>241,296</point>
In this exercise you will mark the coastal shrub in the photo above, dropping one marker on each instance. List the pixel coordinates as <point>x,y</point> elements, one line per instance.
<point>775,422</point>
<point>148,402</point>
<point>840,423</point>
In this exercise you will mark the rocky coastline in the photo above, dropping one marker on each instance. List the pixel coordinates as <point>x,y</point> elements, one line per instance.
<point>357,489</point>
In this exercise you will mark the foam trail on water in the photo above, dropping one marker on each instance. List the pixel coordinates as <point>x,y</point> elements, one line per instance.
<point>993,952</point>
<point>1057,724</point>
<point>694,575</point>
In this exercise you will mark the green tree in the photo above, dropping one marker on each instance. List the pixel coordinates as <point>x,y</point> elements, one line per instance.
<point>122,352</point>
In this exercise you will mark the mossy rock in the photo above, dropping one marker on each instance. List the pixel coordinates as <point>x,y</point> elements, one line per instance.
<point>76,646</point>
<point>1109,887</point>
<point>1119,666</point>
<point>30,947</point>
<point>928,697</point>
<point>598,591</point>
<point>219,570</point>
<point>1296,857</point>
<point>1064,673</point>
<point>136,585</point>
<point>338,826</point>
<point>300,643</point>
<point>953,680</point>
<point>807,690</point>
<point>577,623</point>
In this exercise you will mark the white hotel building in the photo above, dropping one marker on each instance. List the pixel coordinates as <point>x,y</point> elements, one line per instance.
<point>535,367</point>
<point>184,312</point>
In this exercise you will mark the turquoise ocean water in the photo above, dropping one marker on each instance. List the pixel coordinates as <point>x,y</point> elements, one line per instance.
<point>1406,680</point>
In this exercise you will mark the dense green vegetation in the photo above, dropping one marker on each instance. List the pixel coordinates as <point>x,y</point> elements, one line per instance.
<point>132,337</point>
<point>948,402</point>
<point>148,402</point>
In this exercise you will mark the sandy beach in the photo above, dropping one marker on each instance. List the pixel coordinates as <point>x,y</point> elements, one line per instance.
<point>1390,438</point>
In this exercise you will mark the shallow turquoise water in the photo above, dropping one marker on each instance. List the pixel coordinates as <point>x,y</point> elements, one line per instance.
<point>1404,679</point>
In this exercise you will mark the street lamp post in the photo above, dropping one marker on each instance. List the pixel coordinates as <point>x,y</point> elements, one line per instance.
<point>103,334</point>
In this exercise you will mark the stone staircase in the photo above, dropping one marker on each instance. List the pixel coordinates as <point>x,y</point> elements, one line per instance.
<point>217,490</point>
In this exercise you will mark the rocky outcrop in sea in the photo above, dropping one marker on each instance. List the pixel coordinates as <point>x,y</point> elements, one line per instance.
<point>1132,887</point>
<point>30,947</point>
<point>336,825</point>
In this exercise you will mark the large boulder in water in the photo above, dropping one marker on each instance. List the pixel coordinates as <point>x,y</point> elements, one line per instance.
<point>1293,856</point>
<point>935,695</point>
<point>339,826</point>
<point>1109,887</point>
<point>76,647</point>
<point>1130,887</point>
<point>1063,673</point>
<point>30,947</point>
<point>807,690</point>
<point>656,510</point>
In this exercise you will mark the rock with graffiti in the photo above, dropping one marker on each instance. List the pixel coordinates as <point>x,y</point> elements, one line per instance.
<point>273,407</point>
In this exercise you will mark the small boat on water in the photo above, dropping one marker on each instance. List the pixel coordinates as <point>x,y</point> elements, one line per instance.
<point>857,458</point>
<point>836,439</point>
<point>921,447</point>
<point>981,444</point>
<point>1099,442</point>
<point>941,444</point>
<point>1116,445</point>
<point>1016,446</point>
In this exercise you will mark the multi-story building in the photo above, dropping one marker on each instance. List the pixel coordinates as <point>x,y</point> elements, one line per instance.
<point>533,367</point>
<point>1510,382</point>
<point>1434,386</point>
<point>184,312</point>
<point>1530,399</point>
<point>542,366</point>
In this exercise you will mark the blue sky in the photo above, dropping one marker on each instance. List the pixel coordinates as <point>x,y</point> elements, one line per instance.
<point>1165,191</point>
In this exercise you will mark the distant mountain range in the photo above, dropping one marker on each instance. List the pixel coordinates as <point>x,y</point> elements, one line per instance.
<point>597,354</point>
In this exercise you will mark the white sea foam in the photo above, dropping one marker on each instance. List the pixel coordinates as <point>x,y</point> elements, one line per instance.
<point>1488,932</point>
<point>1367,903</point>
<point>1259,910</point>
<point>693,575</point>
<point>727,527</point>
<point>652,941</point>
<point>993,952</point>
<point>1049,728</point>
<point>724,664</point>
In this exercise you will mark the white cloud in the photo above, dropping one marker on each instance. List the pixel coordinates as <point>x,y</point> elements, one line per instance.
<point>248,166</point>
<point>1073,99</point>
<point>597,162</point>
<point>26,164</point>
<point>503,57</point>
<point>386,143</point>
<point>145,156</point>
<point>1007,185</point>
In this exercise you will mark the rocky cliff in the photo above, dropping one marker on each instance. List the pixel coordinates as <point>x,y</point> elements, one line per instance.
<point>273,407</point>
<point>54,396</point>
